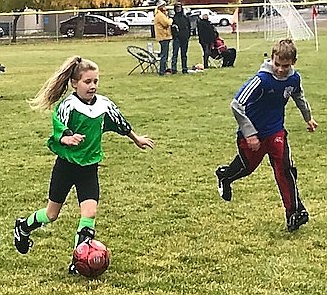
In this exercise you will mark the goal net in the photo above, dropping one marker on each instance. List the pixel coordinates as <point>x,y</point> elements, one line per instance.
<point>285,21</point>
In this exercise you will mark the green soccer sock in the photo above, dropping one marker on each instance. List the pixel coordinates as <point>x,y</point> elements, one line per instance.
<point>84,222</point>
<point>35,220</point>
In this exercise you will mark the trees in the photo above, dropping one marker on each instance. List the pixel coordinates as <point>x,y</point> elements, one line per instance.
<point>15,6</point>
<point>20,5</point>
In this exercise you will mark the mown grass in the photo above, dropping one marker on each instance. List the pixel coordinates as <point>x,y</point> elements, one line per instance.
<point>159,213</point>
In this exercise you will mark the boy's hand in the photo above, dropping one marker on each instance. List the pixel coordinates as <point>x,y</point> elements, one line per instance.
<point>253,142</point>
<point>312,125</point>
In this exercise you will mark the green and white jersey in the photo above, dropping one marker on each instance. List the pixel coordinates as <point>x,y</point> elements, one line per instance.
<point>91,120</point>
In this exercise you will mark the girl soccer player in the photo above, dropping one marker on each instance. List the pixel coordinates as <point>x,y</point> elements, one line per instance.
<point>79,121</point>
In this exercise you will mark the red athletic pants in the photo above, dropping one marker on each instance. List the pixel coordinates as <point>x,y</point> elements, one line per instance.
<point>278,150</point>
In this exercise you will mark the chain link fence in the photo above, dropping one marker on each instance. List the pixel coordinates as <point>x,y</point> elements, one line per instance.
<point>51,25</point>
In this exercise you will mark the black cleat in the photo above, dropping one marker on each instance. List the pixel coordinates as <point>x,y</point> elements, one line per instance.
<point>224,187</point>
<point>296,220</point>
<point>72,269</point>
<point>22,239</point>
<point>85,234</point>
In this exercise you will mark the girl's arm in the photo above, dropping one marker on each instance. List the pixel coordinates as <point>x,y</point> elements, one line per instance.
<point>141,141</point>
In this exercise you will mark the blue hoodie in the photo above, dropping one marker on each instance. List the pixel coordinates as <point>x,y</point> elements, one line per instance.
<point>259,106</point>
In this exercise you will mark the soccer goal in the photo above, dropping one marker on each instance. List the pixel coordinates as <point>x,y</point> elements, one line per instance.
<point>282,20</point>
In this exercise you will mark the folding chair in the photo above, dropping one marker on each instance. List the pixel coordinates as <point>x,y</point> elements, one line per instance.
<point>215,59</point>
<point>147,61</point>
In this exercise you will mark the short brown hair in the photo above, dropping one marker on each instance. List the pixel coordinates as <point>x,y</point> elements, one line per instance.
<point>284,49</point>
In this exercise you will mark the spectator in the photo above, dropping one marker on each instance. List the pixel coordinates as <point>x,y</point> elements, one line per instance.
<point>162,28</point>
<point>220,48</point>
<point>206,33</point>
<point>181,31</point>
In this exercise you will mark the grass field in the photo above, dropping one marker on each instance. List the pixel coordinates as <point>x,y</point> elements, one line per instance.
<point>160,213</point>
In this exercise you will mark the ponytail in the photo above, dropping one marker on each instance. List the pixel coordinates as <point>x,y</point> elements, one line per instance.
<point>57,85</point>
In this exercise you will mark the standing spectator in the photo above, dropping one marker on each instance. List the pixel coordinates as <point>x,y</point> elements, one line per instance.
<point>181,31</point>
<point>206,33</point>
<point>162,28</point>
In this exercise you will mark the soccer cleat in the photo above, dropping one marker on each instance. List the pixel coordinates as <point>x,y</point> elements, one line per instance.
<point>84,234</point>
<point>22,239</point>
<point>72,269</point>
<point>224,187</point>
<point>296,220</point>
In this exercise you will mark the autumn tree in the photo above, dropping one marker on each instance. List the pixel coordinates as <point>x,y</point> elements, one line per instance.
<point>19,6</point>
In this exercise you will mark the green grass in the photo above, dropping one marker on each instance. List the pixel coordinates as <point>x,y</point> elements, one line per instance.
<point>159,213</point>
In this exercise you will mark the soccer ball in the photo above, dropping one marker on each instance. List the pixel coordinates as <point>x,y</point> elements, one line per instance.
<point>91,258</point>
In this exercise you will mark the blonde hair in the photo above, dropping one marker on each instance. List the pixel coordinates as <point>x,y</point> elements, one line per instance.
<point>285,49</point>
<point>57,85</point>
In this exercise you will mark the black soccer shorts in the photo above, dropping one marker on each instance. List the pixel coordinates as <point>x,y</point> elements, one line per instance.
<point>66,174</point>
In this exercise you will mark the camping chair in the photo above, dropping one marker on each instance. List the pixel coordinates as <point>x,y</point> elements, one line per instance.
<point>147,61</point>
<point>215,59</point>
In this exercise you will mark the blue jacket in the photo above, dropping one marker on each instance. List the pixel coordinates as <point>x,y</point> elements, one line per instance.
<point>259,106</point>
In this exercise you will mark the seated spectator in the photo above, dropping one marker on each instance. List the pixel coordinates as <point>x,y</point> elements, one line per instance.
<point>219,48</point>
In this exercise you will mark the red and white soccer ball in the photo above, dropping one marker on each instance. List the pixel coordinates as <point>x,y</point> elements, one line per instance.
<point>91,258</point>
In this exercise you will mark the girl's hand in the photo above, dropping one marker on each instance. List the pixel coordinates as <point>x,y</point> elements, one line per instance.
<point>312,125</point>
<point>144,141</point>
<point>72,140</point>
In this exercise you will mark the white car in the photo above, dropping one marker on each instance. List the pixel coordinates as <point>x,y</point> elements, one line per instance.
<point>136,18</point>
<point>149,3</point>
<point>215,18</point>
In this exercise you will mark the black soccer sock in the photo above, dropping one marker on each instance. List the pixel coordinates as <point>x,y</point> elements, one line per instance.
<point>236,170</point>
<point>35,220</point>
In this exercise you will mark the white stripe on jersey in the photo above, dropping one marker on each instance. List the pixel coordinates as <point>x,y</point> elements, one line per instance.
<point>100,107</point>
<point>247,91</point>
<point>64,110</point>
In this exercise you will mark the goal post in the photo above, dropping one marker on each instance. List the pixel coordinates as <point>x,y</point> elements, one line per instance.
<point>284,21</point>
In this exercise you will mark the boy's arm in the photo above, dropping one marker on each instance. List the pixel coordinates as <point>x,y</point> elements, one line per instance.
<point>250,91</point>
<point>303,105</point>
<point>245,124</point>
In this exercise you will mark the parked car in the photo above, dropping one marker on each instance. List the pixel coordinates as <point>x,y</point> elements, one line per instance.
<point>215,18</point>
<point>94,24</point>
<point>1,32</point>
<point>193,18</point>
<point>268,12</point>
<point>136,18</point>
<point>322,8</point>
<point>149,3</point>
